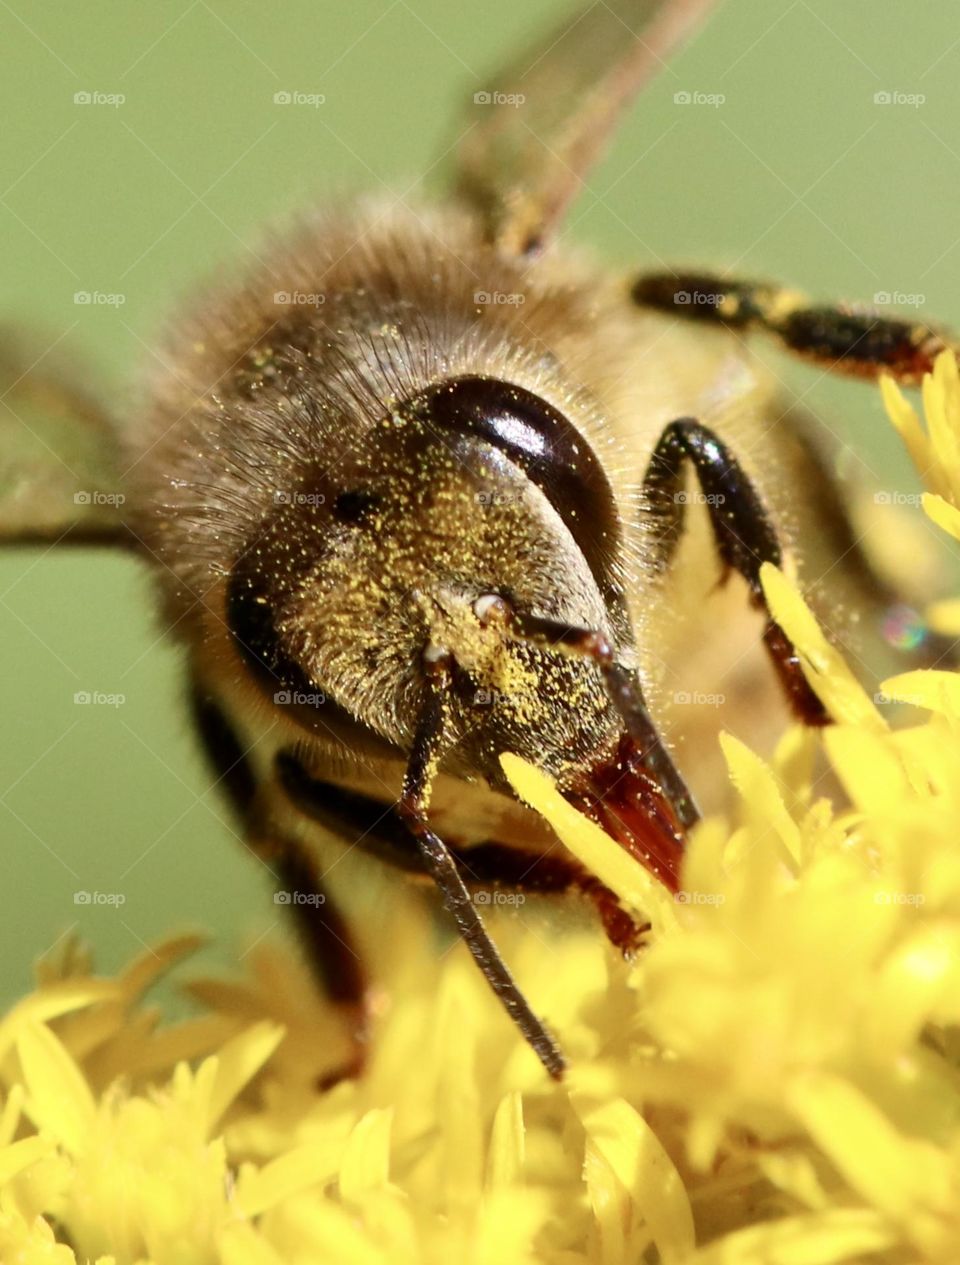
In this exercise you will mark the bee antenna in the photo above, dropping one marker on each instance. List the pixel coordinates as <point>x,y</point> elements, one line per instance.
<point>623,686</point>
<point>412,807</point>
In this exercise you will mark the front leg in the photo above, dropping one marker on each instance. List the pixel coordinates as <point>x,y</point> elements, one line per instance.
<point>854,341</point>
<point>744,535</point>
<point>320,927</point>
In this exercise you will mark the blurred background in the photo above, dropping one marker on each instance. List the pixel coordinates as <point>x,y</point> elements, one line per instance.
<point>819,145</point>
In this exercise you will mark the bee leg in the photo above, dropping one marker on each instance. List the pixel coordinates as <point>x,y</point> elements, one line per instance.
<point>481,865</point>
<point>744,535</point>
<point>511,869</point>
<point>858,342</point>
<point>324,938</point>
<point>321,929</point>
<point>438,860</point>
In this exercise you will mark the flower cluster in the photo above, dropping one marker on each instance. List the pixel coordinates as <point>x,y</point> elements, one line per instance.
<point>775,1080</point>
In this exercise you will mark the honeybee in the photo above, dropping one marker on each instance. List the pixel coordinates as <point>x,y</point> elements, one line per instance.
<point>401,521</point>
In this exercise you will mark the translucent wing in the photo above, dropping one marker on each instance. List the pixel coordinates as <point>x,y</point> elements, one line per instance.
<point>546,120</point>
<point>58,456</point>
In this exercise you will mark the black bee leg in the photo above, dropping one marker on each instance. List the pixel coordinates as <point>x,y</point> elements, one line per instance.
<point>482,866</point>
<point>850,340</point>
<point>745,537</point>
<point>321,929</point>
<point>324,938</point>
<point>504,868</point>
<point>438,860</point>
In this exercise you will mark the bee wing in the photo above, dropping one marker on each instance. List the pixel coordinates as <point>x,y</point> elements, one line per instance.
<point>59,466</point>
<point>542,123</point>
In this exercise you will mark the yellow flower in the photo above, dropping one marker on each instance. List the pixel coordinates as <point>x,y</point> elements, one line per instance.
<point>775,1080</point>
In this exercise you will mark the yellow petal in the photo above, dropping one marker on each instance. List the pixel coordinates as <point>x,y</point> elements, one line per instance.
<point>937,691</point>
<point>901,1177</point>
<point>59,1099</point>
<point>757,786</point>
<point>651,1181</point>
<point>601,855</point>
<point>505,1161</point>
<point>823,665</point>
<point>944,616</point>
<point>365,1166</point>
<point>312,1164</point>
<point>839,1237</point>
<point>942,513</point>
<point>238,1062</point>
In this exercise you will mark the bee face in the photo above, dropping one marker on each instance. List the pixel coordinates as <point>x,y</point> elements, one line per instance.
<point>473,488</point>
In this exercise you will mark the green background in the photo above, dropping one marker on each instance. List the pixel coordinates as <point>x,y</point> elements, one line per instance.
<point>799,175</point>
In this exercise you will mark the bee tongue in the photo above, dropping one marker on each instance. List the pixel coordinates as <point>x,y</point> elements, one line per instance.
<point>624,798</point>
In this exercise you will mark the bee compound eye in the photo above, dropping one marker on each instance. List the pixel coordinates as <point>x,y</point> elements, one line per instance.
<point>550,450</point>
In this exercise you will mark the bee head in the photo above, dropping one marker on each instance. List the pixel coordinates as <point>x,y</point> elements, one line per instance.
<point>475,488</point>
